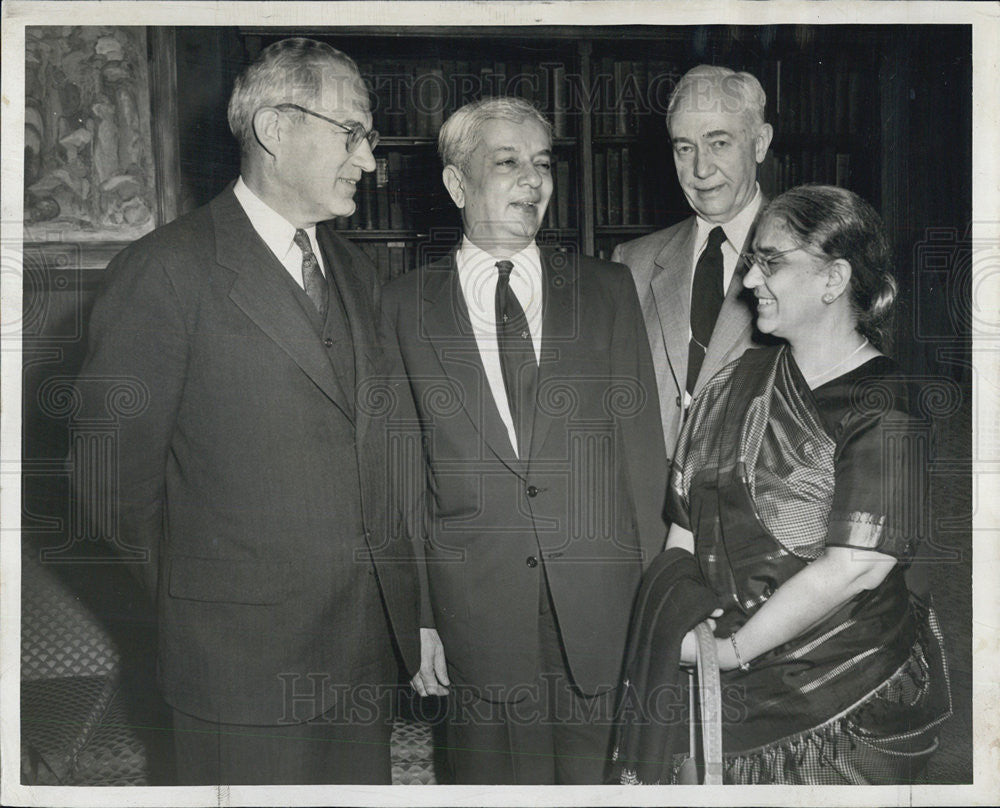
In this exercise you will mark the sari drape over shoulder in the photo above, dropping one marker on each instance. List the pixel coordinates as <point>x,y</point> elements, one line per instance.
<point>767,475</point>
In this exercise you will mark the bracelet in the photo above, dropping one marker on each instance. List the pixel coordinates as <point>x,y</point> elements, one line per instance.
<point>743,666</point>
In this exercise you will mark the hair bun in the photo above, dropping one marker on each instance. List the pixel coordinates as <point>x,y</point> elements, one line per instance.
<point>883,298</point>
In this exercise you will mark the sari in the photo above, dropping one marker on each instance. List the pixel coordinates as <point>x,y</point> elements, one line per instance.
<point>767,474</point>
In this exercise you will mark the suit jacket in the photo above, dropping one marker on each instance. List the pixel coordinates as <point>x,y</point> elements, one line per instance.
<point>583,505</point>
<point>248,475</point>
<point>662,265</point>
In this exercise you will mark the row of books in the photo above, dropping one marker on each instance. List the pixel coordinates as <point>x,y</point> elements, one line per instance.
<point>414,99</point>
<point>561,213</point>
<point>818,99</point>
<point>623,92</point>
<point>620,190</point>
<point>779,172</point>
<point>379,197</point>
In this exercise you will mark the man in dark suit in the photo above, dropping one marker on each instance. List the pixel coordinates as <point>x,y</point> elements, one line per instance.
<point>255,477</point>
<point>689,275</point>
<point>546,474</point>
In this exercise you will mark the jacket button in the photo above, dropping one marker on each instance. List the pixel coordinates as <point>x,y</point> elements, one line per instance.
<point>531,491</point>
<point>328,342</point>
<point>531,561</point>
<point>677,401</point>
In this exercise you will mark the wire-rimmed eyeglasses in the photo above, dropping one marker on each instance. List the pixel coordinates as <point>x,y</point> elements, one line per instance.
<point>356,132</point>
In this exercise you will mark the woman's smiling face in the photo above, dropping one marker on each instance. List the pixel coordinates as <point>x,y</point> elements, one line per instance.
<point>787,281</point>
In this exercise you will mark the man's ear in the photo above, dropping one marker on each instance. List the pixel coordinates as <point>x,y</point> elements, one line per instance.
<point>454,181</point>
<point>267,128</point>
<point>838,277</point>
<point>762,142</point>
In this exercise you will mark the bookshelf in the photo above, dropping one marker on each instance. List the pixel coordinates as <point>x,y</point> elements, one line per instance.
<point>416,82</point>
<point>822,96</point>
<point>835,99</point>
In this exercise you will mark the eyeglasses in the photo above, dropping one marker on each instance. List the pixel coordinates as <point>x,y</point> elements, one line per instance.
<point>356,132</point>
<point>764,261</point>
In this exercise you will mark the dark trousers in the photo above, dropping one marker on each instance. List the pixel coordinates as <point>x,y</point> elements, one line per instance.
<point>554,735</point>
<point>323,750</point>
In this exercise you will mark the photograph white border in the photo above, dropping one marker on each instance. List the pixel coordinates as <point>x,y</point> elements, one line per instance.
<point>985,21</point>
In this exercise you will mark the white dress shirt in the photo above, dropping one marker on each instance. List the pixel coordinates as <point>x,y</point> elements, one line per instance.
<point>477,276</point>
<point>277,232</point>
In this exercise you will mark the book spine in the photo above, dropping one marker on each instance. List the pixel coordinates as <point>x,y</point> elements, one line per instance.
<point>559,101</point>
<point>367,192</point>
<point>409,100</point>
<point>563,191</point>
<point>614,187</point>
<point>382,193</point>
<point>600,189</point>
<point>626,186</point>
<point>621,72</point>
<point>396,221</point>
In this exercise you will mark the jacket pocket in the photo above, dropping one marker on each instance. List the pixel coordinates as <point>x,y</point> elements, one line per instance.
<point>220,580</point>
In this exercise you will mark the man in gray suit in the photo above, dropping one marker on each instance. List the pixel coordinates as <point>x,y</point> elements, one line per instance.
<point>256,478</point>
<point>546,477</point>
<point>689,275</point>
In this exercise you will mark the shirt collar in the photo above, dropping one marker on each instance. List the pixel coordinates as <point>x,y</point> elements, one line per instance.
<point>276,231</point>
<point>736,229</point>
<point>471,258</point>
<point>477,274</point>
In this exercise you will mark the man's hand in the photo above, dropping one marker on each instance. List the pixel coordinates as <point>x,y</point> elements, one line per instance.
<point>432,678</point>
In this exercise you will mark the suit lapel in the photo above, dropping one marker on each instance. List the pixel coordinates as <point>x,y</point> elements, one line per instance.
<point>559,322</point>
<point>355,292</point>
<point>731,333</point>
<point>262,293</point>
<point>671,294</point>
<point>447,326</point>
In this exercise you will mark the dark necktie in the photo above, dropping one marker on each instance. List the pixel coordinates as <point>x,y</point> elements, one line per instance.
<point>517,357</point>
<point>312,276</point>
<point>706,300</point>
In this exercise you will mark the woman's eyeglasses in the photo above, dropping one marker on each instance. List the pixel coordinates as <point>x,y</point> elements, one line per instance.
<point>763,260</point>
<point>355,131</point>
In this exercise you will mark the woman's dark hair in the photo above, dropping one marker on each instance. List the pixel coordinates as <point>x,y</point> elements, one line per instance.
<point>841,224</point>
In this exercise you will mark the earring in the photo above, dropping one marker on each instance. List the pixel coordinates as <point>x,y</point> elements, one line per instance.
<point>828,298</point>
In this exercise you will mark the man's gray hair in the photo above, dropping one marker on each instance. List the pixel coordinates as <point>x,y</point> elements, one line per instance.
<point>713,88</point>
<point>462,131</point>
<point>289,71</point>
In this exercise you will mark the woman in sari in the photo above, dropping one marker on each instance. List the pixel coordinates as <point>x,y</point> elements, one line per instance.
<point>799,487</point>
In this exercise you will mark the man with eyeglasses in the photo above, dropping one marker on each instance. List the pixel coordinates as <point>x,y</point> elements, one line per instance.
<point>688,275</point>
<point>256,475</point>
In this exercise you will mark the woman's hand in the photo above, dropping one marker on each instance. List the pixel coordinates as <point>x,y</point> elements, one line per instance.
<point>689,645</point>
<point>807,598</point>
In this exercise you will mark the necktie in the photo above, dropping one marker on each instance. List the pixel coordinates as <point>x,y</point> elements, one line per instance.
<point>517,356</point>
<point>312,276</point>
<point>706,300</point>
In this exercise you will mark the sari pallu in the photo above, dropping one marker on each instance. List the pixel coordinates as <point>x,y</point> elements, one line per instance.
<point>765,481</point>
